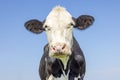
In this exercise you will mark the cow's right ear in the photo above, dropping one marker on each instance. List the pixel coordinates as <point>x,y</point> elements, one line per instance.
<point>34,26</point>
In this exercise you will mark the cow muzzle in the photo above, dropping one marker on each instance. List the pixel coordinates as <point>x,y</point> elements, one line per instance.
<point>59,50</point>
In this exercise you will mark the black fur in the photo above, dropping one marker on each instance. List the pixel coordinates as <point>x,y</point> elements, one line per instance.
<point>84,21</point>
<point>34,26</point>
<point>76,64</point>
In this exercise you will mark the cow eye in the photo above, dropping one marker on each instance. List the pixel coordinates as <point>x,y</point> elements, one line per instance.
<point>72,24</point>
<point>47,28</point>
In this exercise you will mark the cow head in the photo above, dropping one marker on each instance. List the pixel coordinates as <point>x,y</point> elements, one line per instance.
<point>59,26</point>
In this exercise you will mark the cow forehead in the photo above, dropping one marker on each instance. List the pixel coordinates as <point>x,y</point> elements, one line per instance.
<point>59,16</point>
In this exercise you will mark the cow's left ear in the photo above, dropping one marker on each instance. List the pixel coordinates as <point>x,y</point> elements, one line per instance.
<point>84,21</point>
<point>34,26</point>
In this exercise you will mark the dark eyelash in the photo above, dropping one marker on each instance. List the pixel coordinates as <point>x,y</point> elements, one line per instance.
<point>71,24</point>
<point>46,26</point>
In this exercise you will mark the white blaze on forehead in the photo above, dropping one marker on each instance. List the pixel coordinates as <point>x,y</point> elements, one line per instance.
<point>58,20</point>
<point>58,14</point>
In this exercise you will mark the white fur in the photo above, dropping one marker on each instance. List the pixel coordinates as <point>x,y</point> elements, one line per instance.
<point>63,77</point>
<point>59,32</point>
<point>59,28</point>
<point>51,77</point>
<point>65,61</point>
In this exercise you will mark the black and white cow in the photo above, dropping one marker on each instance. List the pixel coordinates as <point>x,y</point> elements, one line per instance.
<point>63,58</point>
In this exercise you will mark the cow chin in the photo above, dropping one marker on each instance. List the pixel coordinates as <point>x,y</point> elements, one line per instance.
<point>59,55</point>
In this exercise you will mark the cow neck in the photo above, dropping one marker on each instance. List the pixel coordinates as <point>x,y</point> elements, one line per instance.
<point>65,61</point>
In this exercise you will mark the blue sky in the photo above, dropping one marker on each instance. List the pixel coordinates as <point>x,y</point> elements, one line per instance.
<point>20,50</point>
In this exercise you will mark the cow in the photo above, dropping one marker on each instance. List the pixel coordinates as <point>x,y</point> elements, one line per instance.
<point>63,58</point>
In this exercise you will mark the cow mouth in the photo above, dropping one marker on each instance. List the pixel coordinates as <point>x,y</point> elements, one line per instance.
<point>60,55</point>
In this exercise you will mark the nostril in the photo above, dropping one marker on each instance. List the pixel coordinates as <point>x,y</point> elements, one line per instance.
<point>52,47</point>
<point>58,48</point>
<point>63,46</point>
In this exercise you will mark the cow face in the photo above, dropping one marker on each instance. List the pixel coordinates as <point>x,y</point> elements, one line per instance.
<point>59,26</point>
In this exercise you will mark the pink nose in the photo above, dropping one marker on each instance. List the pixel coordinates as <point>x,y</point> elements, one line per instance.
<point>58,48</point>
